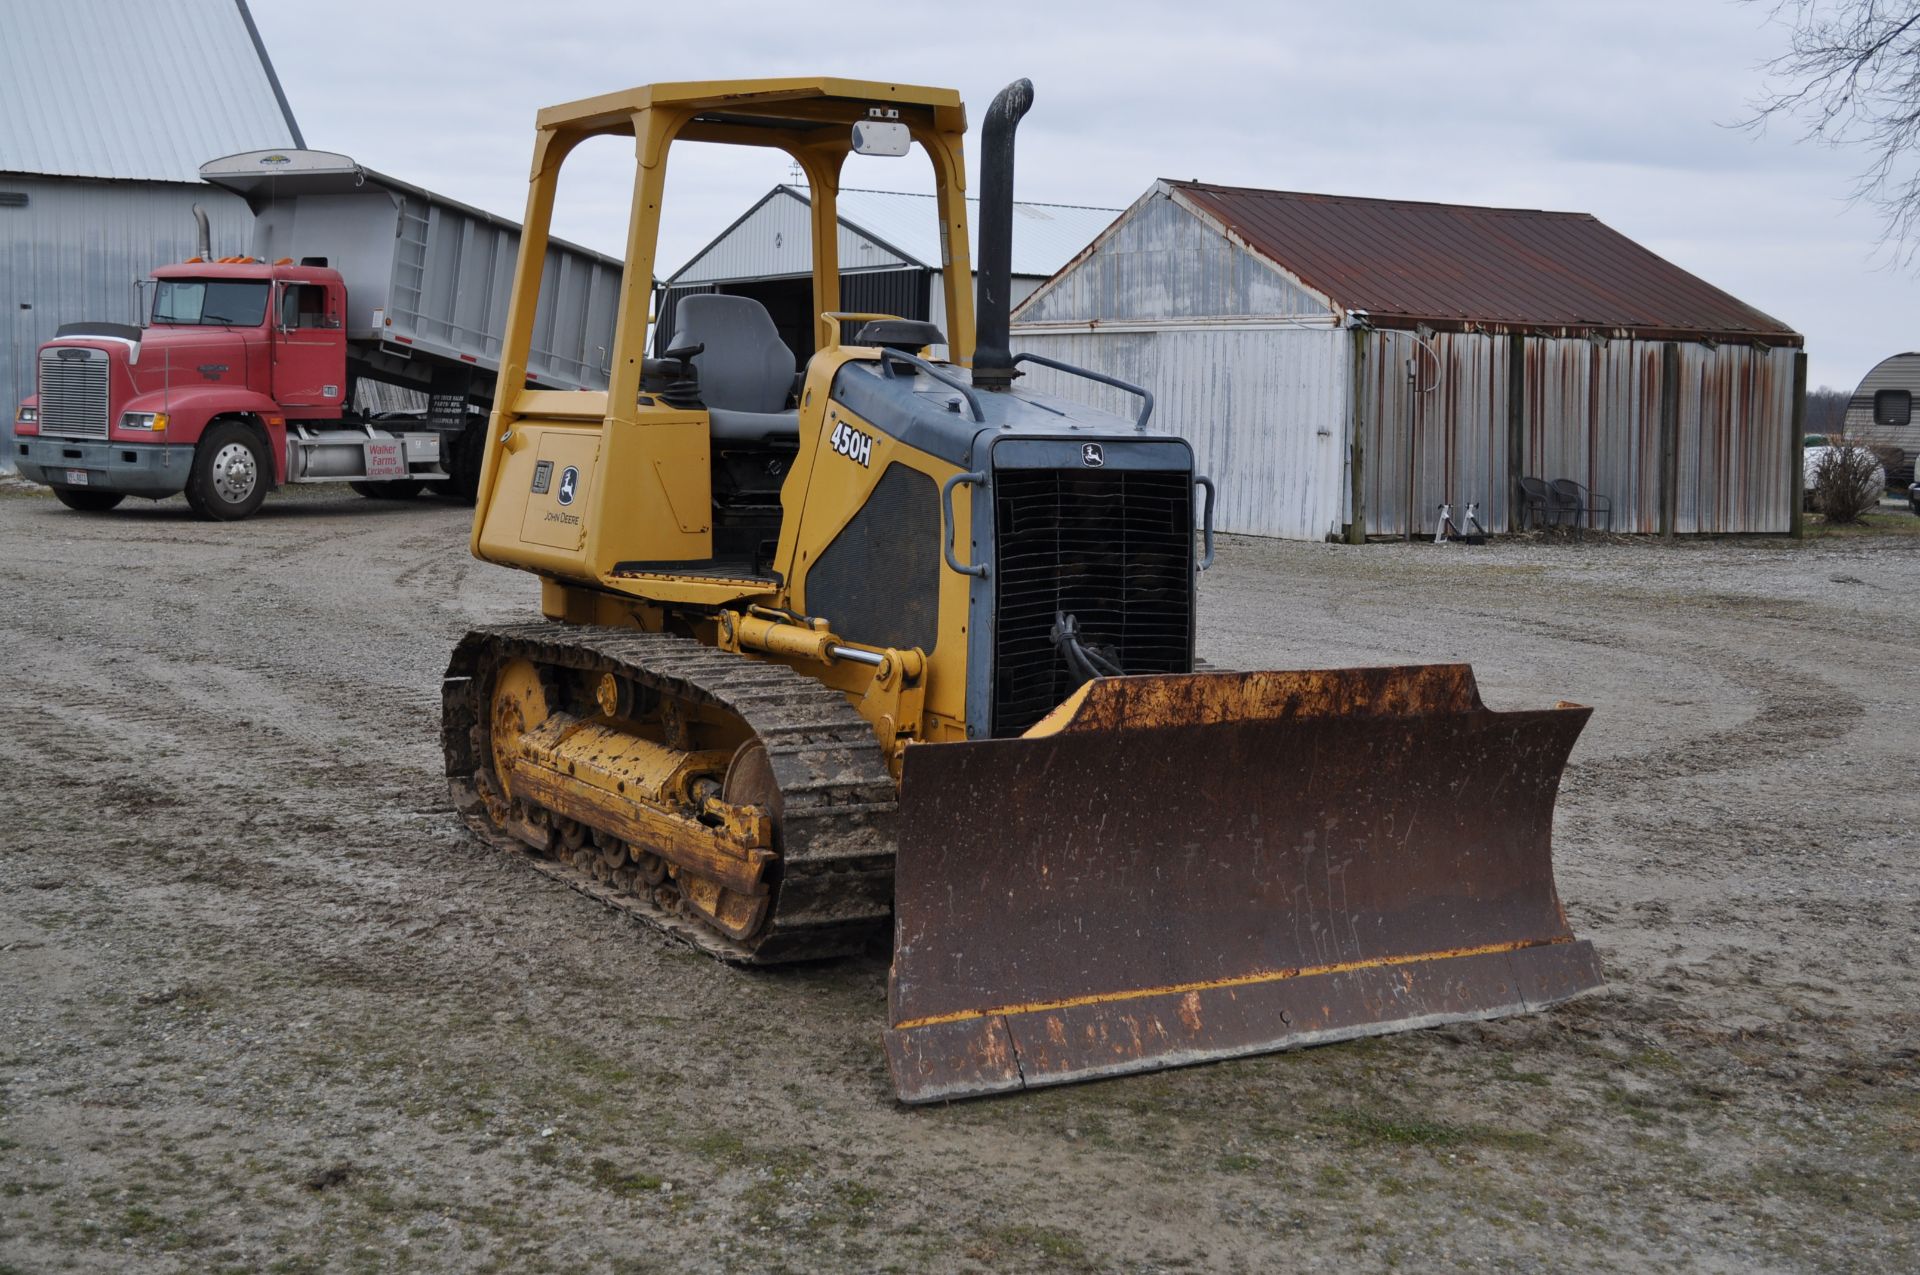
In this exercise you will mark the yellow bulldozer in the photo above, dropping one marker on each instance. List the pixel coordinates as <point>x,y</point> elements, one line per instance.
<point>885,641</point>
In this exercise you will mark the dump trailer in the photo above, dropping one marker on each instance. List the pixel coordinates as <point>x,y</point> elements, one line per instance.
<point>243,374</point>
<point>889,646</point>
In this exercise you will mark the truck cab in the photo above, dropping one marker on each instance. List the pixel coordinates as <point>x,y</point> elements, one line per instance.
<point>236,384</point>
<point>241,374</point>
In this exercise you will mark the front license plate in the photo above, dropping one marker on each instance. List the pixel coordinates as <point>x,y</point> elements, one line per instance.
<point>76,478</point>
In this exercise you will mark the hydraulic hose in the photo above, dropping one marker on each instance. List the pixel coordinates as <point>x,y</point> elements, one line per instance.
<point>1085,660</point>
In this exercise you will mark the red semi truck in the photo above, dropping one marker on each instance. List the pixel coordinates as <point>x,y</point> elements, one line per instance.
<point>242,375</point>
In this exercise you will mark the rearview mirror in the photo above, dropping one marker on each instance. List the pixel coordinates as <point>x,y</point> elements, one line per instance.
<point>877,137</point>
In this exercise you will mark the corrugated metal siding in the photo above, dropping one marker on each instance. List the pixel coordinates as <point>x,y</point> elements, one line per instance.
<point>75,251</point>
<point>1160,262</point>
<point>1593,415</point>
<point>776,239</point>
<point>1264,410</point>
<point>1459,424</point>
<point>84,91</point>
<point>901,292</point>
<point>1591,412</point>
<point>1019,288</point>
<point>1736,414</point>
<point>1453,264</point>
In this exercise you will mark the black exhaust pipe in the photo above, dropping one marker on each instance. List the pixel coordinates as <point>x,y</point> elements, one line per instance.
<point>992,359</point>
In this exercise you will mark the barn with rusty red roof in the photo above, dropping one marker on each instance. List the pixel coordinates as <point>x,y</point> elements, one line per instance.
<point>1346,366</point>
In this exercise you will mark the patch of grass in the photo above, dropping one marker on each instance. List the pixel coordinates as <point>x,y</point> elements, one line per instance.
<point>1045,1243</point>
<point>12,1189</point>
<point>1237,1162</point>
<point>723,1147</point>
<point>139,1222</point>
<point>1503,1069</point>
<point>1855,1189</point>
<point>1415,1131</point>
<point>1650,1108</point>
<point>857,1196</point>
<point>1880,523</point>
<point>609,1176</point>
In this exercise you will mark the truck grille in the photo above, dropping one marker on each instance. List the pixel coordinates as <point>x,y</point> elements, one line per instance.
<point>73,392</point>
<point>1113,548</point>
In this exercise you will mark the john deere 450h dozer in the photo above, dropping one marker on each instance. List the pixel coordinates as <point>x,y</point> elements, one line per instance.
<point>893,642</point>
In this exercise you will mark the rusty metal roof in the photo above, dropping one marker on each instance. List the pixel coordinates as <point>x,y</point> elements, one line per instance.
<point>1456,266</point>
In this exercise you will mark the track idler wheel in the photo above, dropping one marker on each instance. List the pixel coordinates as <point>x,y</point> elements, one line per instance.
<point>749,782</point>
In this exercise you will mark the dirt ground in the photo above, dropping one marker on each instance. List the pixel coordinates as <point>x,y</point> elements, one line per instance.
<point>264,1005</point>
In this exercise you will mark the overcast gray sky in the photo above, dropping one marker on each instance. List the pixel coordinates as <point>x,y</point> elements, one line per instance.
<point>1619,109</point>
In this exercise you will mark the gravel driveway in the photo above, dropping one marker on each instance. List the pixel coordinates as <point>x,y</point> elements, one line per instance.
<point>264,1006</point>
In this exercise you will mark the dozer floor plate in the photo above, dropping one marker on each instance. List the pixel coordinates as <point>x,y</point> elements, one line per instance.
<point>1198,867</point>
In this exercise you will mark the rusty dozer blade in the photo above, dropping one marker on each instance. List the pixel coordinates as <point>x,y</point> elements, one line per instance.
<point>1174,869</point>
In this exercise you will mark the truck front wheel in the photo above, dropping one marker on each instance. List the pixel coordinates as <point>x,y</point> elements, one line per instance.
<point>91,502</point>
<point>229,478</point>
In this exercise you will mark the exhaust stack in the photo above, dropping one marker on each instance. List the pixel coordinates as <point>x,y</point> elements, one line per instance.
<point>205,249</point>
<point>992,358</point>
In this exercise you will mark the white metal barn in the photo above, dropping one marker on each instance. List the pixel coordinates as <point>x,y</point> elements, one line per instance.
<point>107,112</point>
<point>890,257</point>
<point>1275,331</point>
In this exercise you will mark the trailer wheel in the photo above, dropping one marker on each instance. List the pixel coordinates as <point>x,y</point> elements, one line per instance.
<point>397,489</point>
<point>91,502</point>
<point>229,477</point>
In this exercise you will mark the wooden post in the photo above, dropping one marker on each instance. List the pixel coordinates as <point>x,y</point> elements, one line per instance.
<point>1516,427</point>
<point>1669,439</point>
<point>1356,430</point>
<point>1796,462</point>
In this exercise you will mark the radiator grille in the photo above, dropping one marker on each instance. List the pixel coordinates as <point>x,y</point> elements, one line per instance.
<point>73,393</point>
<point>1114,548</point>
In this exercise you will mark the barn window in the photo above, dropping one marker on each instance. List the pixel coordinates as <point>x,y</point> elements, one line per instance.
<point>1892,407</point>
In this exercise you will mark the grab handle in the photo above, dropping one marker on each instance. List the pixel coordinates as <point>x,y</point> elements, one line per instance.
<point>890,356</point>
<point>946,505</point>
<point>1146,396</point>
<point>1206,520</point>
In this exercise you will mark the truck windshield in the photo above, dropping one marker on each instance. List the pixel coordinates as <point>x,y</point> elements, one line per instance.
<point>235,303</point>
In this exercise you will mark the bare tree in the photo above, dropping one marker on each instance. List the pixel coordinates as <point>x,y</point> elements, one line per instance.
<point>1827,410</point>
<point>1851,77</point>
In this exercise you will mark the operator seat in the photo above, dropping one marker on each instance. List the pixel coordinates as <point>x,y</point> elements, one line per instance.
<point>745,371</point>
